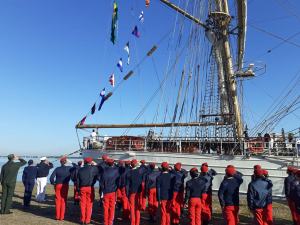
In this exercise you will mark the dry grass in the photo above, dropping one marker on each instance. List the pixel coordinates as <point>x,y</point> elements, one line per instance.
<point>44,213</point>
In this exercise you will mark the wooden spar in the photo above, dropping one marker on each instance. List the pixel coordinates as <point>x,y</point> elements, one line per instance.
<point>230,73</point>
<point>96,126</point>
<point>184,13</point>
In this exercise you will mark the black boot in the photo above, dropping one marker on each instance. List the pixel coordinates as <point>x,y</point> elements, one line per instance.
<point>295,222</point>
<point>120,206</point>
<point>205,222</point>
<point>181,212</point>
<point>150,219</point>
<point>154,219</point>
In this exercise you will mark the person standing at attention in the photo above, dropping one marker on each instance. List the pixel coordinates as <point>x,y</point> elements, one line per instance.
<point>41,178</point>
<point>74,173</point>
<point>287,189</point>
<point>93,136</point>
<point>269,200</point>
<point>295,195</point>
<point>61,185</point>
<point>86,179</point>
<point>8,177</point>
<point>28,179</point>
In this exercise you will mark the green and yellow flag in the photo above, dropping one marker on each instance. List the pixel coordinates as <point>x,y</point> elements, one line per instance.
<point>115,17</point>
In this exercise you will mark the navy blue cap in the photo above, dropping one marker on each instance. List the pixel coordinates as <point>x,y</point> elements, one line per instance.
<point>30,161</point>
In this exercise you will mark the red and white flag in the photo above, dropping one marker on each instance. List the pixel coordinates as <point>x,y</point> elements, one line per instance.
<point>112,80</point>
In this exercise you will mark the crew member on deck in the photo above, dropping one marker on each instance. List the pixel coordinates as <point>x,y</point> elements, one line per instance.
<point>60,179</point>
<point>101,166</point>
<point>287,188</point>
<point>257,195</point>
<point>28,179</point>
<point>177,201</point>
<point>164,193</point>
<point>193,194</point>
<point>41,178</point>
<point>109,184</point>
<point>229,196</point>
<point>134,190</point>
<point>86,179</point>
<point>121,169</point>
<point>269,201</point>
<point>150,189</point>
<point>93,136</point>
<point>143,164</point>
<point>74,173</point>
<point>295,195</point>
<point>207,174</point>
<point>8,177</point>
<point>122,184</point>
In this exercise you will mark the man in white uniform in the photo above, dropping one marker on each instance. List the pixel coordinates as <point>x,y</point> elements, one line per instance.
<point>93,136</point>
<point>41,178</point>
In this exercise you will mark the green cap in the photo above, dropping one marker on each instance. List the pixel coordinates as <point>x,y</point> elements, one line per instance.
<point>11,156</point>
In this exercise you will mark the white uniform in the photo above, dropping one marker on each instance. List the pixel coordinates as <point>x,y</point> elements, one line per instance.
<point>93,137</point>
<point>41,183</point>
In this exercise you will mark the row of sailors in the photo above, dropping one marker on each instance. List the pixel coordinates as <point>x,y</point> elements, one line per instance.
<point>130,184</point>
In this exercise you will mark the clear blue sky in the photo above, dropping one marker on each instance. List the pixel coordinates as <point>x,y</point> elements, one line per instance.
<point>55,58</point>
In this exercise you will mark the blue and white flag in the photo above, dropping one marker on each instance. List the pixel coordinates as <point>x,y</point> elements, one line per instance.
<point>102,95</point>
<point>141,18</point>
<point>127,50</point>
<point>120,65</point>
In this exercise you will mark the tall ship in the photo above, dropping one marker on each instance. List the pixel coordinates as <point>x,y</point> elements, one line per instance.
<point>198,108</point>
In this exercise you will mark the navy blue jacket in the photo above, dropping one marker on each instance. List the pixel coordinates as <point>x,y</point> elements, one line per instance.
<point>109,179</point>
<point>74,171</point>
<point>43,169</point>
<point>121,168</point>
<point>29,173</point>
<point>165,186</point>
<point>257,194</point>
<point>179,180</point>
<point>87,176</point>
<point>101,166</point>
<point>194,189</point>
<point>122,180</point>
<point>150,181</point>
<point>208,185</point>
<point>212,172</point>
<point>229,191</point>
<point>146,168</point>
<point>269,198</point>
<point>295,195</point>
<point>287,185</point>
<point>62,175</point>
<point>134,180</point>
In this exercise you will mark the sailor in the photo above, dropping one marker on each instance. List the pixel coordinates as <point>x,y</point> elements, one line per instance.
<point>41,178</point>
<point>207,174</point>
<point>74,173</point>
<point>101,167</point>
<point>256,167</point>
<point>237,172</point>
<point>93,136</point>
<point>164,193</point>
<point>143,164</point>
<point>121,169</point>
<point>177,201</point>
<point>8,177</point>
<point>295,195</point>
<point>122,184</point>
<point>150,189</point>
<point>229,196</point>
<point>193,194</point>
<point>183,171</point>
<point>269,201</point>
<point>287,188</point>
<point>257,195</point>
<point>28,179</point>
<point>60,178</point>
<point>86,179</point>
<point>109,185</point>
<point>134,190</point>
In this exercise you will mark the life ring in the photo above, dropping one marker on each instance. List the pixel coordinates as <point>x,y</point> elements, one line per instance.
<point>109,143</point>
<point>138,143</point>
<point>256,148</point>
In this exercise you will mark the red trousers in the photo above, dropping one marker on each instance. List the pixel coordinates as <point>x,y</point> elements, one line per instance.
<point>143,208</point>
<point>292,208</point>
<point>177,201</point>
<point>165,206</point>
<point>195,211</point>
<point>298,219</point>
<point>120,196</point>
<point>260,216</point>
<point>270,215</point>
<point>152,202</point>
<point>231,215</point>
<point>61,195</point>
<point>206,206</point>
<point>109,208</point>
<point>87,196</point>
<point>76,193</point>
<point>126,205</point>
<point>135,206</point>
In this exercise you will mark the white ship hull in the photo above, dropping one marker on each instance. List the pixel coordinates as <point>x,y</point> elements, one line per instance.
<point>276,166</point>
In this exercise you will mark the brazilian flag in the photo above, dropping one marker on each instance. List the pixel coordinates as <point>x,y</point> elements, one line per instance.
<point>115,17</point>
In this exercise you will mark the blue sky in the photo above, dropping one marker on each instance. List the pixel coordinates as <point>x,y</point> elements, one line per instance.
<point>56,57</point>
